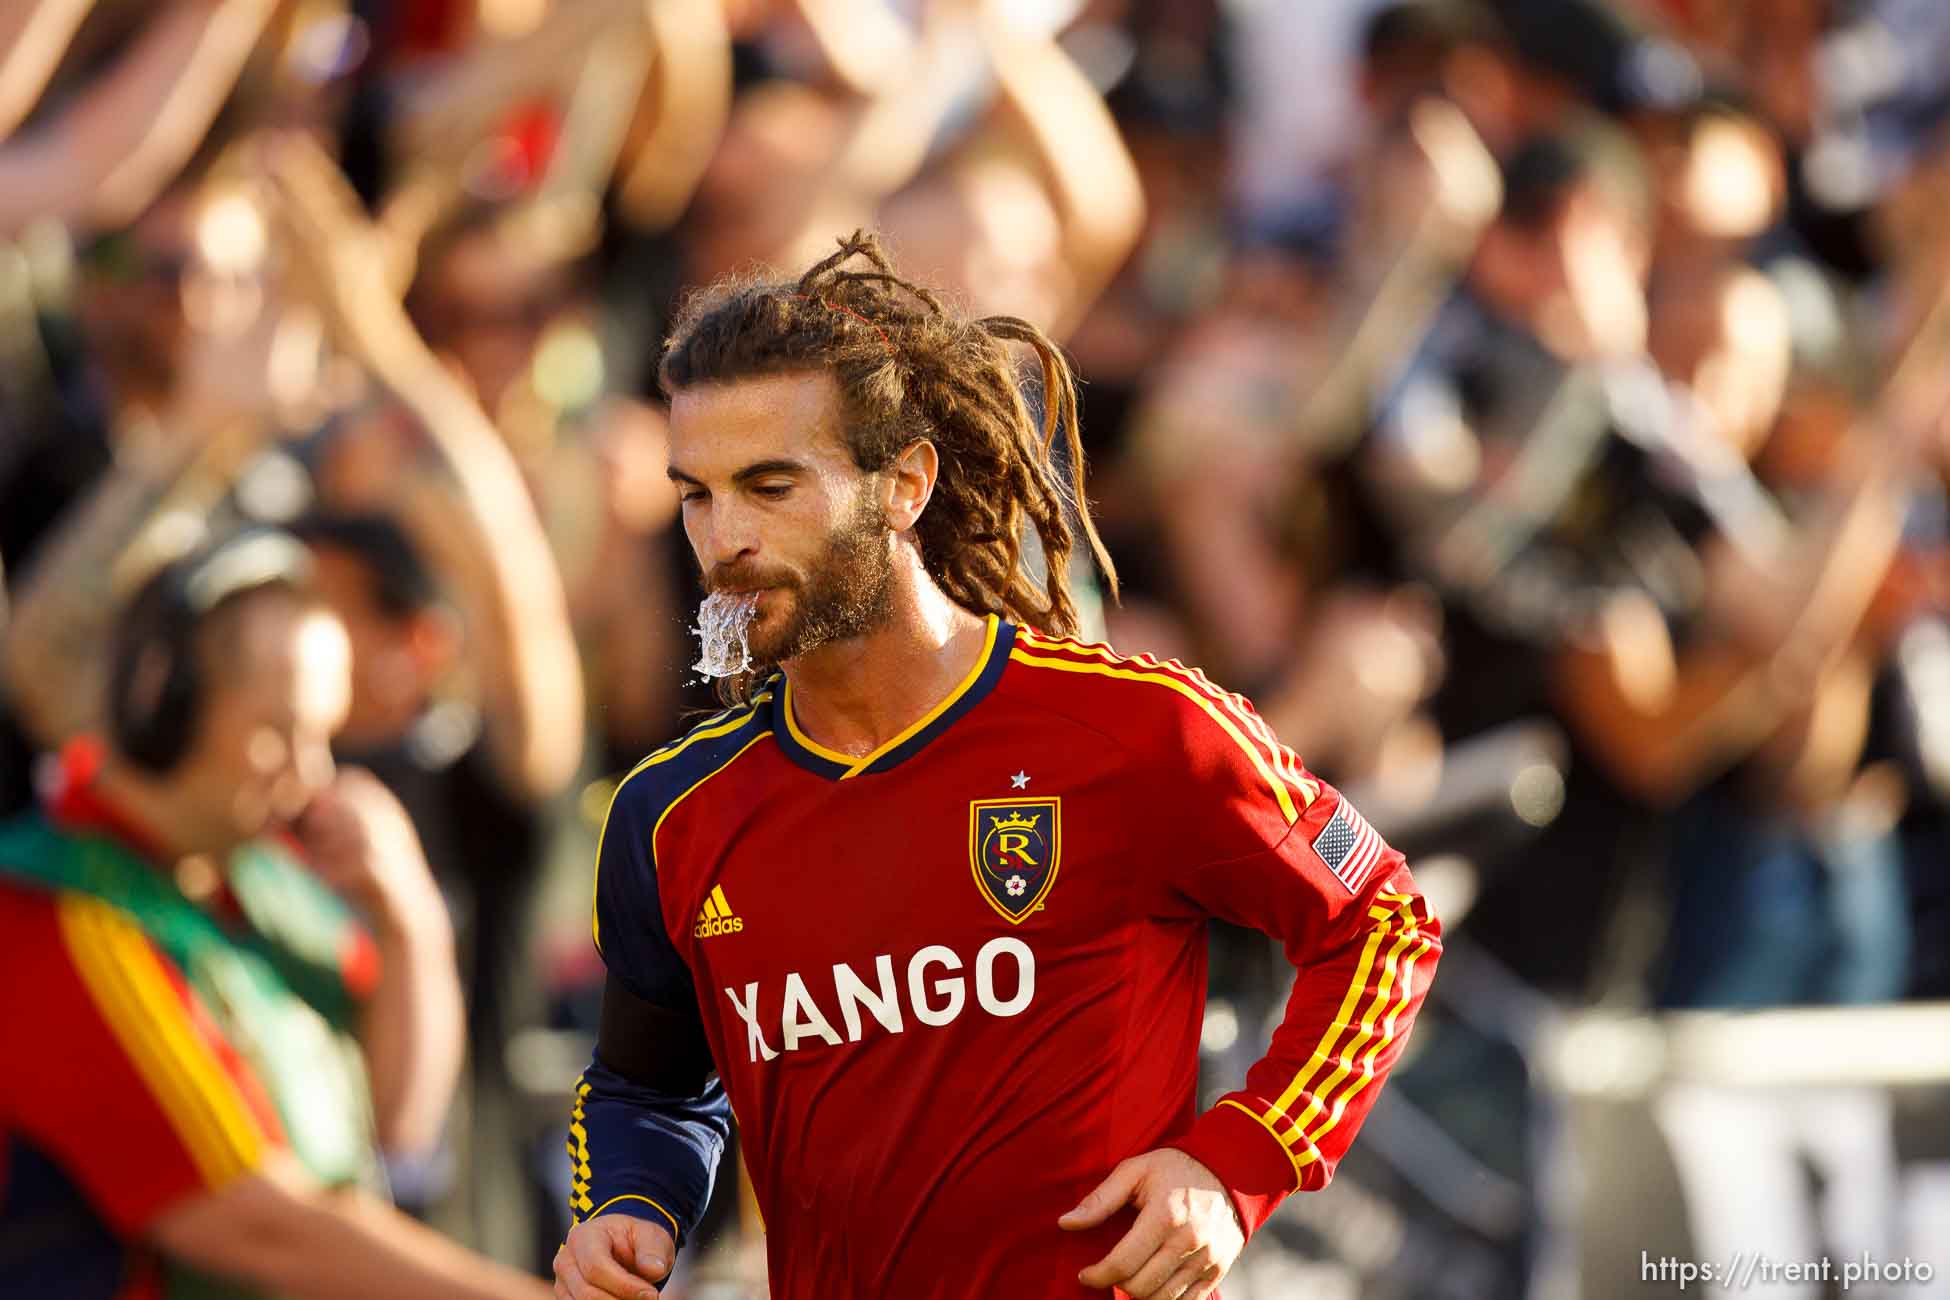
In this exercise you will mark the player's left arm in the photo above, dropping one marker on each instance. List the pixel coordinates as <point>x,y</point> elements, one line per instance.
<point>651,1117</point>
<point>1294,860</point>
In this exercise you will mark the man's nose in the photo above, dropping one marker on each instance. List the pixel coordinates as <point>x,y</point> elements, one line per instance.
<point>309,773</point>
<point>729,536</point>
<point>316,767</point>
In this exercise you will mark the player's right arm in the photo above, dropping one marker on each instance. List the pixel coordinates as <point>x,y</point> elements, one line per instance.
<point>650,1119</point>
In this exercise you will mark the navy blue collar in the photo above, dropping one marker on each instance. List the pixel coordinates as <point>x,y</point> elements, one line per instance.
<point>817,759</point>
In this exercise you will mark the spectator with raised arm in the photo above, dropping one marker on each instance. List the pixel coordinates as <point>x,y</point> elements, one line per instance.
<point>33,36</point>
<point>1036,214</point>
<point>99,161</point>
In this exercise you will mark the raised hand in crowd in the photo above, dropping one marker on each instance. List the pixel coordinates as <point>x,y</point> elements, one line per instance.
<point>358,839</point>
<point>639,91</point>
<point>34,34</point>
<point>472,513</point>
<point>102,159</point>
<point>623,594</point>
<point>245,369</point>
<point>682,113</point>
<point>1035,214</point>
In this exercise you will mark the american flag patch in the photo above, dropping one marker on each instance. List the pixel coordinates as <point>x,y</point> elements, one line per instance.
<point>1349,846</point>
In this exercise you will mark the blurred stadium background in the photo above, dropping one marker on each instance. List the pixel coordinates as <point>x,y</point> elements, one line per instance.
<point>1537,407</point>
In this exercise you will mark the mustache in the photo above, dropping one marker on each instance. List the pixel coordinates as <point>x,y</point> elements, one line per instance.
<point>745,578</point>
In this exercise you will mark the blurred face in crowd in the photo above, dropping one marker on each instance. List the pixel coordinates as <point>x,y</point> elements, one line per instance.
<point>486,305</point>
<point>361,467</point>
<point>188,271</point>
<point>1729,339</point>
<point>988,234</point>
<point>774,505</point>
<point>1909,221</point>
<point>1269,284</point>
<point>397,656</point>
<point>1505,98</point>
<point>130,299</point>
<point>277,679</point>
<point>1777,42</point>
<point>773,153</point>
<point>1719,176</point>
<point>1574,276</point>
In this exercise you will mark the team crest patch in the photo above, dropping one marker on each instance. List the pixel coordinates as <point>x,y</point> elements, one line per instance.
<point>1014,848</point>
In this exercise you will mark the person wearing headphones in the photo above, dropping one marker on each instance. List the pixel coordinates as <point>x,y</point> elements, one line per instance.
<point>226,978</point>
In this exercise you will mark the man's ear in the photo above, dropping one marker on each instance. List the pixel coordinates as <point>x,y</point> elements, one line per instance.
<point>910,484</point>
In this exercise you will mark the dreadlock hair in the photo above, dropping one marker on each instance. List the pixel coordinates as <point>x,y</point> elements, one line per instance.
<point>908,368</point>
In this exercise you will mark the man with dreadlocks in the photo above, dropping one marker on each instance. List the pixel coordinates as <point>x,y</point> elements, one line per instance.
<point>926,905</point>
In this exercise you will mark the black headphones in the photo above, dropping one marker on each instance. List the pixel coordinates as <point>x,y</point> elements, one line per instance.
<point>154,685</point>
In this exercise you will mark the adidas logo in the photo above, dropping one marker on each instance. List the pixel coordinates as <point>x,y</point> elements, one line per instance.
<point>717,918</point>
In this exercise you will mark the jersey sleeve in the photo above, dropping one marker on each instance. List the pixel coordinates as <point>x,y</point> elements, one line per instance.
<point>637,1147</point>
<point>629,921</point>
<point>645,1151</point>
<point>1276,850</point>
<point>120,1074</point>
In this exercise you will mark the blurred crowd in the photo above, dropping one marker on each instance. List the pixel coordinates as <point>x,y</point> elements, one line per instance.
<point>1539,408</point>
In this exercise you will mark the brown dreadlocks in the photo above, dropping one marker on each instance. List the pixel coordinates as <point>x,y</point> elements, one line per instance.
<point>908,368</point>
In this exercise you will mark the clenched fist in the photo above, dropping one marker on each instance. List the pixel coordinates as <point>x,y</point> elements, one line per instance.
<point>359,839</point>
<point>613,1257</point>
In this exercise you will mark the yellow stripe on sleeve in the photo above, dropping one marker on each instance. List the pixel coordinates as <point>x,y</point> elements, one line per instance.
<point>1299,1179</point>
<point>143,1010</point>
<point>697,785</point>
<point>580,1206</point>
<point>1345,1063</point>
<point>1366,1074</point>
<point>675,1233</point>
<point>1283,759</point>
<point>1322,1051</point>
<point>661,756</point>
<point>212,1084</point>
<point>1248,718</point>
<point>579,1172</point>
<point>1274,782</point>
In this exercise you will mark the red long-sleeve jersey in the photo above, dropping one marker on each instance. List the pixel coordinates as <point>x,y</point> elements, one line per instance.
<point>950,985</point>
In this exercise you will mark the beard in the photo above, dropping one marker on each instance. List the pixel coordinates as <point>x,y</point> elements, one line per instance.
<point>846,593</point>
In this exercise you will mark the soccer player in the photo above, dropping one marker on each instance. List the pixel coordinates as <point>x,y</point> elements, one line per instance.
<point>926,906</point>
